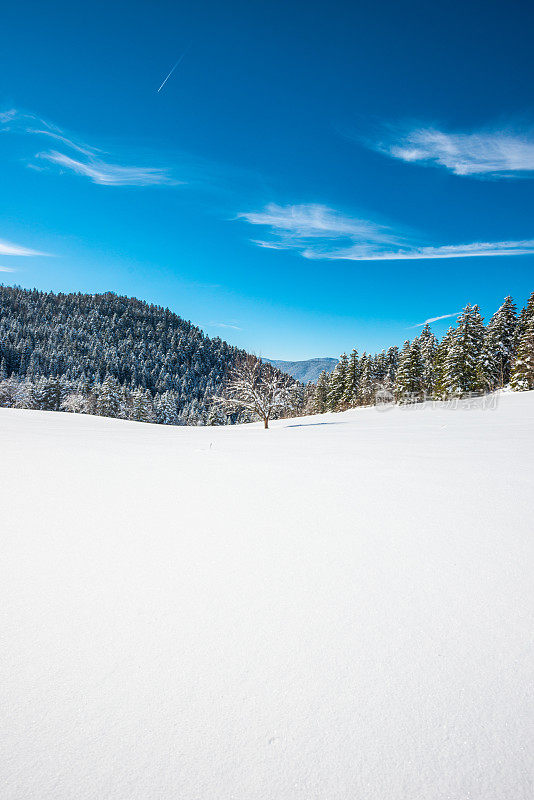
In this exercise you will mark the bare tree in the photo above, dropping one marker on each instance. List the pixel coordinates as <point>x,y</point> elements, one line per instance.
<point>258,387</point>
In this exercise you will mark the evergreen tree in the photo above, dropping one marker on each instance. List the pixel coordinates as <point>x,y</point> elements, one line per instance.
<point>353,377</point>
<point>429,345</point>
<point>498,347</point>
<point>321,393</point>
<point>462,364</point>
<point>108,402</point>
<point>526,313</point>
<point>365,380</point>
<point>392,359</point>
<point>216,416</point>
<point>439,365</point>
<point>522,378</point>
<point>167,412</point>
<point>402,381</point>
<point>338,382</point>
<point>409,382</point>
<point>142,409</point>
<point>47,394</point>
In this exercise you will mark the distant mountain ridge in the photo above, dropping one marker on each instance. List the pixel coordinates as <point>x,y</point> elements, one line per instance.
<point>304,371</point>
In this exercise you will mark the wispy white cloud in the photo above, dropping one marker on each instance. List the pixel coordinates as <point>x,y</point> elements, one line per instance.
<point>85,149</point>
<point>435,319</point>
<point>316,231</point>
<point>89,162</point>
<point>314,221</point>
<point>362,252</point>
<point>107,174</point>
<point>11,249</point>
<point>8,115</point>
<point>7,269</point>
<point>231,325</point>
<point>319,232</point>
<point>495,153</point>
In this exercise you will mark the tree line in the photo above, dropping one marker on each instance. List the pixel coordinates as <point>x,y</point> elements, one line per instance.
<point>120,357</point>
<point>470,358</point>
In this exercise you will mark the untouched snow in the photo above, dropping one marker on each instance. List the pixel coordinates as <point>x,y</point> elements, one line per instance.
<point>339,608</point>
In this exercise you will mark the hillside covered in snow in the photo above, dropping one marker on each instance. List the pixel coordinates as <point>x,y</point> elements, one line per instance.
<point>79,340</point>
<point>340,607</point>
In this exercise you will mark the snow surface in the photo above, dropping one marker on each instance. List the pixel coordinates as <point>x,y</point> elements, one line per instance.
<point>337,608</point>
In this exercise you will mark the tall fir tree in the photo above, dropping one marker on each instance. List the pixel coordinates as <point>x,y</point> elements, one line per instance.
<point>366,387</point>
<point>522,378</point>
<point>462,364</point>
<point>498,347</point>
<point>338,383</point>
<point>409,382</point>
<point>350,397</point>
<point>402,379</point>
<point>392,358</point>
<point>439,364</point>
<point>429,345</point>
<point>526,313</point>
<point>321,393</point>
<point>108,402</point>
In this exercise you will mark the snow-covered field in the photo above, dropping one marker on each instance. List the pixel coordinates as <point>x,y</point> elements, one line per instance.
<point>339,608</point>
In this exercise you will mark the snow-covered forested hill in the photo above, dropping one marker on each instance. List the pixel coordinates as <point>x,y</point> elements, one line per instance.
<point>66,344</point>
<point>340,607</point>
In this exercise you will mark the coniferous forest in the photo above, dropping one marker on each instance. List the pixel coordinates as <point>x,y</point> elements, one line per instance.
<point>471,359</point>
<point>121,357</point>
<point>109,355</point>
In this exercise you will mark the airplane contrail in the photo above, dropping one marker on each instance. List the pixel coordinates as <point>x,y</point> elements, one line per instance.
<point>172,70</point>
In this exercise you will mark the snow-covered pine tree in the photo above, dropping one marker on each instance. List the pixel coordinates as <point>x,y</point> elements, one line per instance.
<point>380,367</point>
<point>142,407</point>
<point>409,383</point>
<point>365,385</point>
<point>47,394</point>
<point>75,403</point>
<point>402,379</point>
<point>429,345</point>
<point>108,401</point>
<point>308,399</point>
<point>23,397</point>
<point>392,358</point>
<point>353,377</point>
<point>170,407</point>
<point>338,382</point>
<point>498,346</point>
<point>8,391</point>
<point>522,378</point>
<point>417,370</point>
<point>344,400</point>
<point>321,393</point>
<point>462,364</point>
<point>526,313</point>
<point>216,416</point>
<point>440,359</point>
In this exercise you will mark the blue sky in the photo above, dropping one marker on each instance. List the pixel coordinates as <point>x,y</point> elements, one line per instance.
<point>311,177</point>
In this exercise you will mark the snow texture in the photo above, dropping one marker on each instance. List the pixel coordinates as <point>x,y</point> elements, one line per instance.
<point>337,608</point>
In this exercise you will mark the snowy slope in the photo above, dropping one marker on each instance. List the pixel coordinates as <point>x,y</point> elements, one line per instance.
<point>337,608</point>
